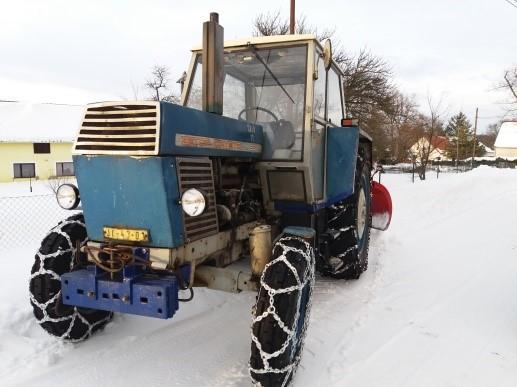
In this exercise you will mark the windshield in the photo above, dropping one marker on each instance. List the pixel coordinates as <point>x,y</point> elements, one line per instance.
<point>264,86</point>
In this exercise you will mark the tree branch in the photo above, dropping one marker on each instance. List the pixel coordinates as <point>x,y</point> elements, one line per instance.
<point>509,83</point>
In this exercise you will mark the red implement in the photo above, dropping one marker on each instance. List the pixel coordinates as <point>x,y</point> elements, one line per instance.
<point>381,208</point>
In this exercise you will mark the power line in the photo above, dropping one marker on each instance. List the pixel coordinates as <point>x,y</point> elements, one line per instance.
<point>511,3</point>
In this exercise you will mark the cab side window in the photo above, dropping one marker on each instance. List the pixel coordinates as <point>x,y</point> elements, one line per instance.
<point>334,102</point>
<point>319,89</point>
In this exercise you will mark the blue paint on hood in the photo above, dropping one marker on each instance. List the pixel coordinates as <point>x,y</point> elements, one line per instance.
<point>131,192</point>
<point>241,138</point>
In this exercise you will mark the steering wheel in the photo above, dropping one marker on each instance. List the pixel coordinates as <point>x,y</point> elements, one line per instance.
<point>257,108</point>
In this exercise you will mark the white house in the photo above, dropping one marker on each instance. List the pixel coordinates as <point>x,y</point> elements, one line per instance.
<point>506,141</point>
<point>489,152</point>
<point>438,149</point>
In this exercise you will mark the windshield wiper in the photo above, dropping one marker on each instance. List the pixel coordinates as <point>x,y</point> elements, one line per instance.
<point>257,55</point>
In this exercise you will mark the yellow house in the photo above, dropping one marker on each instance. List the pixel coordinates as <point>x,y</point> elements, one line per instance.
<point>36,140</point>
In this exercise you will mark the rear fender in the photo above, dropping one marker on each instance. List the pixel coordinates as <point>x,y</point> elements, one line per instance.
<point>381,207</point>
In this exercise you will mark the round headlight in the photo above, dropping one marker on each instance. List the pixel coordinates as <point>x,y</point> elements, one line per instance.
<point>67,196</point>
<point>193,202</point>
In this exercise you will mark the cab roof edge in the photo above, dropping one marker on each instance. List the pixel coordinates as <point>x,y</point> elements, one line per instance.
<point>263,40</point>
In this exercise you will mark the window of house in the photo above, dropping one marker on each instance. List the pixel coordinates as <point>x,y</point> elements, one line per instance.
<point>65,169</point>
<point>41,147</point>
<point>24,170</point>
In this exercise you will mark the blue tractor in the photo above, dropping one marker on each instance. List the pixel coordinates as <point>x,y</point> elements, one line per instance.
<point>257,164</point>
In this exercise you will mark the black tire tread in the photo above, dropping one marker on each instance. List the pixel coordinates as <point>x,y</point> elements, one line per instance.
<point>268,331</point>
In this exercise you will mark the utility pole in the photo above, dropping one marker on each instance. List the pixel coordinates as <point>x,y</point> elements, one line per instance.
<point>457,146</point>
<point>475,140</point>
<point>291,23</point>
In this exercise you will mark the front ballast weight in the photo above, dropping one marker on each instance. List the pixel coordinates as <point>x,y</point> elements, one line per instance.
<point>122,280</point>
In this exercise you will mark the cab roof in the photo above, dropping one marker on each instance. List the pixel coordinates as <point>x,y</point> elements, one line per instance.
<point>265,40</point>
<point>243,42</point>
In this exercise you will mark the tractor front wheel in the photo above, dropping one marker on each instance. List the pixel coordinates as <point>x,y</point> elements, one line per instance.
<point>281,314</point>
<point>55,258</point>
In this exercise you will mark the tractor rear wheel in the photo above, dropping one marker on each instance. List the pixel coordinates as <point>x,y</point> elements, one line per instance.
<point>54,258</point>
<point>281,314</point>
<point>349,227</point>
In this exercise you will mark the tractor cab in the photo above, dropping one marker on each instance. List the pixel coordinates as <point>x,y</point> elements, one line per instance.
<point>290,86</point>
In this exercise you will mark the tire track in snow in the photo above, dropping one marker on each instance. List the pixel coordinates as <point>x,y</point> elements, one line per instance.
<point>330,295</point>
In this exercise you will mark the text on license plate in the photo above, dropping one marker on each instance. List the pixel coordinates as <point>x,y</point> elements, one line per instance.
<point>126,234</point>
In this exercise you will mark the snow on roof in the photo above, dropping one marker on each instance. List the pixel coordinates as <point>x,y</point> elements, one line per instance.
<point>507,136</point>
<point>39,122</point>
<point>487,149</point>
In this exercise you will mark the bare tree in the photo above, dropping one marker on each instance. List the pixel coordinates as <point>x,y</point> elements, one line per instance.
<point>509,84</point>
<point>430,127</point>
<point>367,84</point>
<point>401,116</point>
<point>370,96</point>
<point>510,79</point>
<point>158,85</point>
<point>268,24</point>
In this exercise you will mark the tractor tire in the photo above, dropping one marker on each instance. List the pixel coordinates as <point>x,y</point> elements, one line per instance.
<point>349,227</point>
<point>281,314</point>
<point>54,258</point>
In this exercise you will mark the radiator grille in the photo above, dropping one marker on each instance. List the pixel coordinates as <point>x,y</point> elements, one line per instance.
<point>129,128</point>
<point>197,173</point>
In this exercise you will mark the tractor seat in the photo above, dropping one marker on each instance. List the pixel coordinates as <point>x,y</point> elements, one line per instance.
<point>279,139</point>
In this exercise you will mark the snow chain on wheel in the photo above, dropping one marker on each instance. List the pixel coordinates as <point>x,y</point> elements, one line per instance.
<point>348,249</point>
<point>54,258</point>
<point>281,313</point>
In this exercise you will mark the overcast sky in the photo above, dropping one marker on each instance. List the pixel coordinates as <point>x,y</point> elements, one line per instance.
<point>85,51</point>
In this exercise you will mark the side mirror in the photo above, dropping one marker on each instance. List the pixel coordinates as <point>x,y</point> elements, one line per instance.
<point>327,54</point>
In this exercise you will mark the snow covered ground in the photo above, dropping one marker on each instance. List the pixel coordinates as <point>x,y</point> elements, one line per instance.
<point>437,307</point>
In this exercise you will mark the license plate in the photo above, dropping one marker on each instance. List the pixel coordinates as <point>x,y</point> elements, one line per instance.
<point>126,234</point>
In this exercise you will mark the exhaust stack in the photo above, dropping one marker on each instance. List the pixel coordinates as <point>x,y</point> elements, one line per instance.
<point>213,70</point>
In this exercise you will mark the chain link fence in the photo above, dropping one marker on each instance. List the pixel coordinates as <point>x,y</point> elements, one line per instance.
<point>26,220</point>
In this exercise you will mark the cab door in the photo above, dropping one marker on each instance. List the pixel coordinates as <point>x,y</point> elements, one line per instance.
<point>327,112</point>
